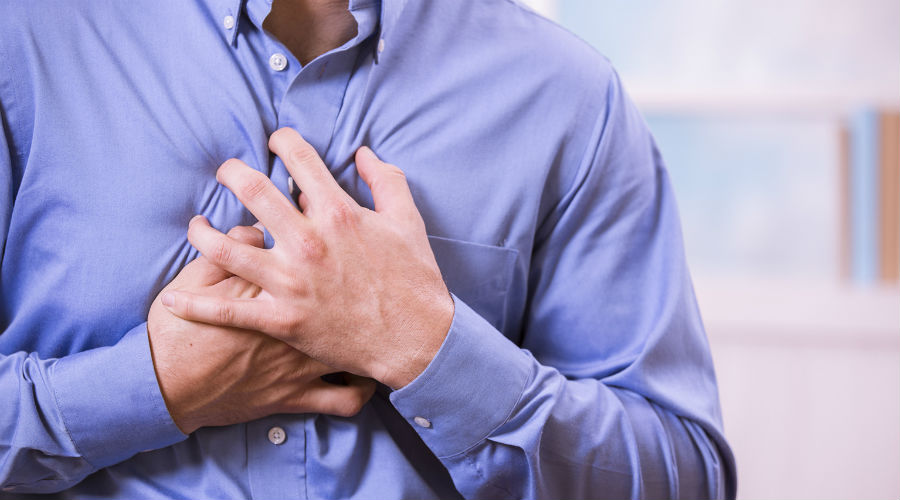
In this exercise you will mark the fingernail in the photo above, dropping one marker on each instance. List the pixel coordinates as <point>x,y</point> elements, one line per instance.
<point>168,299</point>
<point>196,218</point>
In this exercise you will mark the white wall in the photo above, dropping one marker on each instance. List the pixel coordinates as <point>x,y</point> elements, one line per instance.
<point>809,378</point>
<point>814,51</point>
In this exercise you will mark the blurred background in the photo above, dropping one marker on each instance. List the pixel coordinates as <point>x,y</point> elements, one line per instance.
<point>780,124</point>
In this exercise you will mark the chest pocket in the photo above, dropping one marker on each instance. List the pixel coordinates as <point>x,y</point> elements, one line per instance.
<point>479,275</point>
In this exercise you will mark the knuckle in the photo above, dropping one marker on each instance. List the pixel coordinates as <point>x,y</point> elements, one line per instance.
<point>245,234</point>
<point>221,253</point>
<point>187,307</point>
<point>340,212</point>
<point>288,325</point>
<point>293,283</point>
<point>253,185</point>
<point>303,154</point>
<point>311,247</point>
<point>223,314</point>
<point>241,233</point>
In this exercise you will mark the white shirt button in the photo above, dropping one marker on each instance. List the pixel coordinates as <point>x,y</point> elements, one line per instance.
<point>278,62</point>
<point>228,22</point>
<point>381,45</point>
<point>277,435</point>
<point>422,422</point>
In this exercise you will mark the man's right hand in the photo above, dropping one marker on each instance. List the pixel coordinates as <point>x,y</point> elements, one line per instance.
<point>213,376</point>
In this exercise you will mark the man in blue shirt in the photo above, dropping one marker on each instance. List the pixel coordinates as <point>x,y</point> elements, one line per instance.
<point>515,285</point>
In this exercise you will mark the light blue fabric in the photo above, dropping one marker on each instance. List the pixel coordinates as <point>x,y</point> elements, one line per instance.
<point>576,365</point>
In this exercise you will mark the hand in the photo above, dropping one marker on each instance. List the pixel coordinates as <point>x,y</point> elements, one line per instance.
<point>211,375</point>
<point>354,288</point>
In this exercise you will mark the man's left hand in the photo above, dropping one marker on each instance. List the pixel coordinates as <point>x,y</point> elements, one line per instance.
<point>357,289</point>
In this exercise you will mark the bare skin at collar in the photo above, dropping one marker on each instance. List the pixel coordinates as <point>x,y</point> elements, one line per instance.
<point>310,28</point>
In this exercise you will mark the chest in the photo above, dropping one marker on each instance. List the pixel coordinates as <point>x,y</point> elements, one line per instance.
<point>122,155</point>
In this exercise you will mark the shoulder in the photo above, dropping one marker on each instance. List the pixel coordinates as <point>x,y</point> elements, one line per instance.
<point>505,44</point>
<point>518,31</point>
<point>553,44</point>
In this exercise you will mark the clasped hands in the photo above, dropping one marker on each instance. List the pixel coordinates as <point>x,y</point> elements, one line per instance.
<point>244,332</point>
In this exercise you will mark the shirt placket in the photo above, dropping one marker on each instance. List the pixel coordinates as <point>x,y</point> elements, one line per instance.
<point>276,455</point>
<point>276,445</point>
<point>311,98</point>
<point>310,105</point>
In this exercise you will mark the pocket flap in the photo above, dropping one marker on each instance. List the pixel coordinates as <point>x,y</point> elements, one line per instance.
<point>478,274</point>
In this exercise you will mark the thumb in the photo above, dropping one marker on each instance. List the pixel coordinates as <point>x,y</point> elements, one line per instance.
<point>387,182</point>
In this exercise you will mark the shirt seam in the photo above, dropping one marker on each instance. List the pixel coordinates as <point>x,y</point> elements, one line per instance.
<point>13,100</point>
<point>583,171</point>
<point>517,4</point>
<point>8,456</point>
<point>13,82</point>
<point>65,424</point>
<point>305,458</point>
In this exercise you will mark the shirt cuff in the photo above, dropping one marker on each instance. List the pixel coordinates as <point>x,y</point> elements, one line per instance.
<point>111,403</point>
<point>469,389</point>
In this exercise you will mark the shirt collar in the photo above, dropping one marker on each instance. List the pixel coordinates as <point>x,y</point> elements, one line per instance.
<point>257,10</point>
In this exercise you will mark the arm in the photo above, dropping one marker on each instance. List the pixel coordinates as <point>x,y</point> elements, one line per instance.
<point>618,398</point>
<point>615,396</point>
<point>62,419</point>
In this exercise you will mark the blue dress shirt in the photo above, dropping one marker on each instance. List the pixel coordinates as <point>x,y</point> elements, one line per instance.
<point>576,364</point>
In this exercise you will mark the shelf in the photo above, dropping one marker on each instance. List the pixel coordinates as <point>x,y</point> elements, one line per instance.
<point>761,102</point>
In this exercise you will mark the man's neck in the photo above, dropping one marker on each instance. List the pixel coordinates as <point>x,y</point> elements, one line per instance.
<point>309,28</point>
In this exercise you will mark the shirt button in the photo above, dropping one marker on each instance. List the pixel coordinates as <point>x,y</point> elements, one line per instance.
<point>277,435</point>
<point>278,62</point>
<point>422,422</point>
<point>381,45</point>
<point>228,22</point>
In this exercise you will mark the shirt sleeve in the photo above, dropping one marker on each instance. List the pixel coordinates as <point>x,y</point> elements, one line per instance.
<point>65,418</point>
<point>612,393</point>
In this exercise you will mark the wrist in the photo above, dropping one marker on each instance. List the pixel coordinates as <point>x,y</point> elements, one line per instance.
<point>173,388</point>
<point>407,362</point>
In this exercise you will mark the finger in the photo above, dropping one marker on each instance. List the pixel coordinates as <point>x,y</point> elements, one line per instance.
<point>249,235</point>
<point>303,203</point>
<point>390,191</point>
<point>340,400</point>
<point>313,368</point>
<point>305,166</point>
<point>261,197</point>
<point>238,258</point>
<point>205,273</point>
<point>234,286</point>
<point>221,311</point>
<point>201,272</point>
